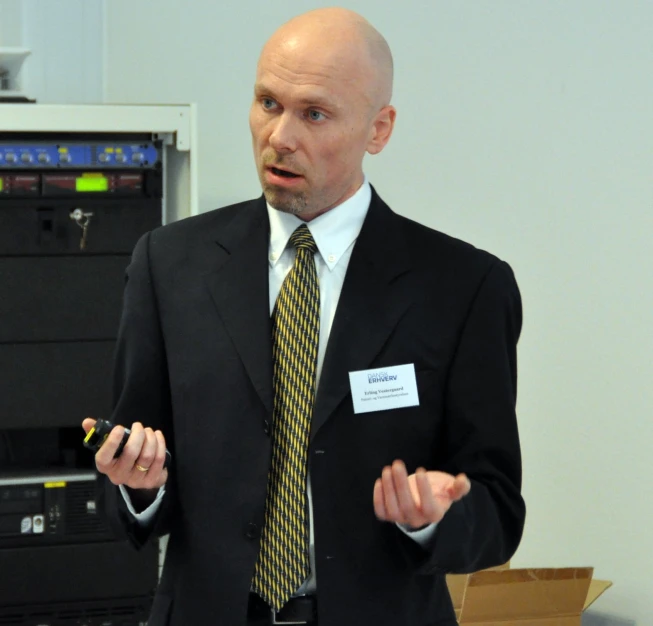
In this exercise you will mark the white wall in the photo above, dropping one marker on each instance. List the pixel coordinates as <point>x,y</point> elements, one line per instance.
<point>11,37</point>
<point>66,39</point>
<point>527,129</point>
<point>10,23</point>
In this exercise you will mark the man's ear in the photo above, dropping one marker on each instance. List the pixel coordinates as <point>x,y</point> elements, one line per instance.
<point>381,130</point>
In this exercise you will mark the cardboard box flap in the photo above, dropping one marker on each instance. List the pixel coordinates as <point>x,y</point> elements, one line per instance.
<point>522,594</point>
<point>597,587</point>
<point>457,584</point>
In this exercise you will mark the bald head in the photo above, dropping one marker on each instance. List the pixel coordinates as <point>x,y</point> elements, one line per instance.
<point>349,45</point>
<point>321,102</point>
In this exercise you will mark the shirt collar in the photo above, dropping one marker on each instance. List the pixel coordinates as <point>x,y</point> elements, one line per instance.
<point>333,231</point>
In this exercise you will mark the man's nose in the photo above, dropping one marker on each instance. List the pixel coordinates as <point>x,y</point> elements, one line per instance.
<point>284,134</point>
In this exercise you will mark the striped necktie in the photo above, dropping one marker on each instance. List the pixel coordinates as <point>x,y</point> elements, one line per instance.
<point>283,563</point>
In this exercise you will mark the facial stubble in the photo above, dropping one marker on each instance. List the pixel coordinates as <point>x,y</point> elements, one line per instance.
<point>285,200</point>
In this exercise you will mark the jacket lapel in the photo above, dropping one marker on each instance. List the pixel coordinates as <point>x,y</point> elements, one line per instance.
<point>374,297</point>
<point>239,285</point>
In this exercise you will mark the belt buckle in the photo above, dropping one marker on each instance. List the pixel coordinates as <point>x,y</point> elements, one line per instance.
<point>274,620</point>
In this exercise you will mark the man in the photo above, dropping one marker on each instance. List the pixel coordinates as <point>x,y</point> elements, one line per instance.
<point>336,383</point>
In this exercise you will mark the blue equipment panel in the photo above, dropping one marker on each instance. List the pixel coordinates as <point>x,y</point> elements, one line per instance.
<point>29,155</point>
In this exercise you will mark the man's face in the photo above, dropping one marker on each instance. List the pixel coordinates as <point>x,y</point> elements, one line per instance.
<point>310,123</point>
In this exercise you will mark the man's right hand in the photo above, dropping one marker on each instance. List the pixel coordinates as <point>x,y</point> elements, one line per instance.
<point>145,449</point>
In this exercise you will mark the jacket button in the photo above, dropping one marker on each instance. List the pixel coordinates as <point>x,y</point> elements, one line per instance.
<point>252,531</point>
<point>266,427</point>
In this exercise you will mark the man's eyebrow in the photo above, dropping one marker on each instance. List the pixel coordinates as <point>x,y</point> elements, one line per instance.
<point>314,100</point>
<point>319,101</point>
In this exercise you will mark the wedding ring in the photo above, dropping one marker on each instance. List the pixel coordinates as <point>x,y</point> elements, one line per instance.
<point>140,468</point>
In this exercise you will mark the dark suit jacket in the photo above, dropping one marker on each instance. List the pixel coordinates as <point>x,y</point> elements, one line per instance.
<point>194,359</point>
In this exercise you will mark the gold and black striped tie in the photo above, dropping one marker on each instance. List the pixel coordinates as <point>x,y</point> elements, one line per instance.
<point>283,563</point>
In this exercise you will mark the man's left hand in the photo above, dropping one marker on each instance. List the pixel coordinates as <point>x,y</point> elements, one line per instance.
<point>419,499</point>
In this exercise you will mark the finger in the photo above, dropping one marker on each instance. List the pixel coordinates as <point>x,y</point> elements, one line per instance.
<point>124,464</point>
<point>407,505</point>
<point>157,476</point>
<point>460,488</point>
<point>379,504</point>
<point>431,510</point>
<point>393,514</point>
<point>148,452</point>
<point>88,423</point>
<point>161,456</point>
<point>104,456</point>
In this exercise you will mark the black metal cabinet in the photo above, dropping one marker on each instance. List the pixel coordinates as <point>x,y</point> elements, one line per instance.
<point>67,231</point>
<point>60,299</point>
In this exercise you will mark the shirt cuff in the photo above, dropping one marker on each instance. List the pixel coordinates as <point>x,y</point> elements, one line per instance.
<point>423,536</point>
<point>147,515</point>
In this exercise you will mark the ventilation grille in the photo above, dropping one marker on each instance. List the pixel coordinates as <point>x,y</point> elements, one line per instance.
<point>82,516</point>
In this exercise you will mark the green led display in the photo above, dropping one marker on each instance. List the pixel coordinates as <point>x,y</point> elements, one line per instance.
<point>95,183</point>
<point>2,183</point>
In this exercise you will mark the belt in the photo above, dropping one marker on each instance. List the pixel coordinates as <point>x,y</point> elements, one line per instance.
<point>299,610</point>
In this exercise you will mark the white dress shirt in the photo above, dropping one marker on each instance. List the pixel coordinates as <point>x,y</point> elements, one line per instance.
<point>335,233</point>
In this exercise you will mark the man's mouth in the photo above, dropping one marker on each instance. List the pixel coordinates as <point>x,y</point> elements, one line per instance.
<point>283,173</point>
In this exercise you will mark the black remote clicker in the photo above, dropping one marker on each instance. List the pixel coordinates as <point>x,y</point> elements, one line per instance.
<point>99,433</point>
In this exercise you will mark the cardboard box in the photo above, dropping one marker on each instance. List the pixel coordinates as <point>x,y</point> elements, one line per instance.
<point>524,597</point>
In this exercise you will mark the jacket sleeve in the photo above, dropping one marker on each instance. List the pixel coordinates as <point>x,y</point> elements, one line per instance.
<point>141,391</point>
<point>481,436</point>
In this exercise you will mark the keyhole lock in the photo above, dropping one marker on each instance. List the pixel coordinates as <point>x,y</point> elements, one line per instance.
<point>82,220</point>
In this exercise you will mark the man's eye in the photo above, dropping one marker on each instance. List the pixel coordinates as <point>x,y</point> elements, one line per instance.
<point>315,116</point>
<point>268,103</point>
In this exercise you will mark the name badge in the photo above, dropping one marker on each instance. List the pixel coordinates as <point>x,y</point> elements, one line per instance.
<point>384,388</point>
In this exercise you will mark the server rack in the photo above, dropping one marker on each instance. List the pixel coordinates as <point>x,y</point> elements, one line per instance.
<point>78,186</point>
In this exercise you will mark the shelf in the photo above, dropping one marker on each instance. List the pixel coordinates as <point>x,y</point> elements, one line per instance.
<point>14,52</point>
<point>174,124</point>
<point>161,118</point>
